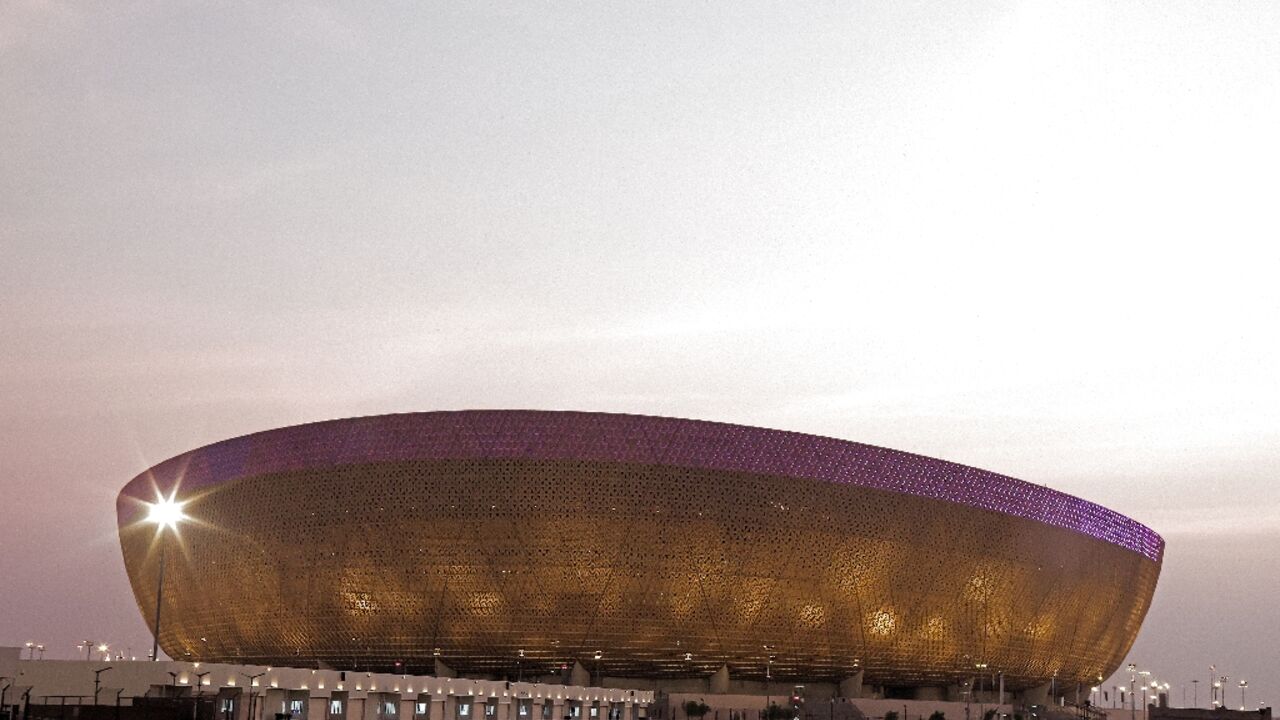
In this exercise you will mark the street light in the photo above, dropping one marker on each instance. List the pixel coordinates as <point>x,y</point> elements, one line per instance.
<point>1243,684</point>
<point>1133,692</point>
<point>97,682</point>
<point>164,513</point>
<point>768,678</point>
<point>252,679</point>
<point>105,649</point>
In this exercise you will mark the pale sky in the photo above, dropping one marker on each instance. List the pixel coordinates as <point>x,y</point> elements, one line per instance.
<point>1037,238</point>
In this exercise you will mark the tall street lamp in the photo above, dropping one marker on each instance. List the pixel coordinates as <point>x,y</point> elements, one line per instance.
<point>253,682</point>
<point>1243,684</point>
<point>165,513</point>
<point>97,682</point>
<point>1133,691</point>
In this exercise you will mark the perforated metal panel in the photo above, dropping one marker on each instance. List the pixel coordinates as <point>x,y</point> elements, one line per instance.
<point>476,535</point>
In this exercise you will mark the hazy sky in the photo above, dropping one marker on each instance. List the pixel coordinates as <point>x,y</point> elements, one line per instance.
<point>1038,238</point>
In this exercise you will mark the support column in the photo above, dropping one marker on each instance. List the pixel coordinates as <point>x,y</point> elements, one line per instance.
<point>1038,695</point>
<point>720,681</point>
<point>851,687</point>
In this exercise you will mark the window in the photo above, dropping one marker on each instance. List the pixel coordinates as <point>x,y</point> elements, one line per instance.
<point>490,710</point>
<point>295,708</point>
<point>546,710</point>
<point>420,709</point>
<point>524,710</point>
<point>227,706</point>
<point>595,711</point>
<point>388,708</point>
<point>335,707</point>
<point>464,709</point>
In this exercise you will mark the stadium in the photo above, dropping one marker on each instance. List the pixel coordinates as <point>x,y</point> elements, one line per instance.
<point>518,543</point>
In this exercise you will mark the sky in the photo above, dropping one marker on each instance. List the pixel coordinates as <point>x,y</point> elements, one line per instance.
<point>1037,238</point>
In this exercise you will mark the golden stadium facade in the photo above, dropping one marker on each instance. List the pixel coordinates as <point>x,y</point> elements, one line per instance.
<point>504,542</point>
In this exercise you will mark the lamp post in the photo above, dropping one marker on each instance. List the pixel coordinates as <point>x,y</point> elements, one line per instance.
<point>1195,693</point>
<point>252,679</point>
<point>1133,690</point>
<point>1145,674</point>
<point>768,677</point>
<point>165,513</point>
<point>982,670</point>
<point>1243,684</point>
<point>97,682</point>
<point>31,650</point>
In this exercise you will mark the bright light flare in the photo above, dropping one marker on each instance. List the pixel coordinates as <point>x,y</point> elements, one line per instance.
<point>166,513</point>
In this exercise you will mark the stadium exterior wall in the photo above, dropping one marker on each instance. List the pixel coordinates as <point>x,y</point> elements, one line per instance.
<point>517,542</point>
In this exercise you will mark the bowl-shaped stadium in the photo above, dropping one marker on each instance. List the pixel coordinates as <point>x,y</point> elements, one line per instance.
<point>503,542</point>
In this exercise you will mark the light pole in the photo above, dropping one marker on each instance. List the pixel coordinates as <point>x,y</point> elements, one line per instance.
<point>97,682</point>
<point>1145,674</point>
<point>31,650</point>
<point>768,677</point>
<point>1195,693</point>
<point>165,513</point>
<point>88,649</point>
<point>1133,688</point>
<point>1243,684</point>
<point>252,679</point>
<point>982,670</point>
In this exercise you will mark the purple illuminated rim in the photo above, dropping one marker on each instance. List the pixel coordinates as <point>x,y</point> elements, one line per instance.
<point>608,437</point>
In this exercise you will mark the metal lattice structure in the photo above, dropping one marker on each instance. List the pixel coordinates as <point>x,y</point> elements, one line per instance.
<point>517,541</point>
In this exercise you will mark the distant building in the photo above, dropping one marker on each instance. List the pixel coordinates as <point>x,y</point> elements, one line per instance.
<point>124,690</point>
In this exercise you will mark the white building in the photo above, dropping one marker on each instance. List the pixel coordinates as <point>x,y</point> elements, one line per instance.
<point>252,692</point>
